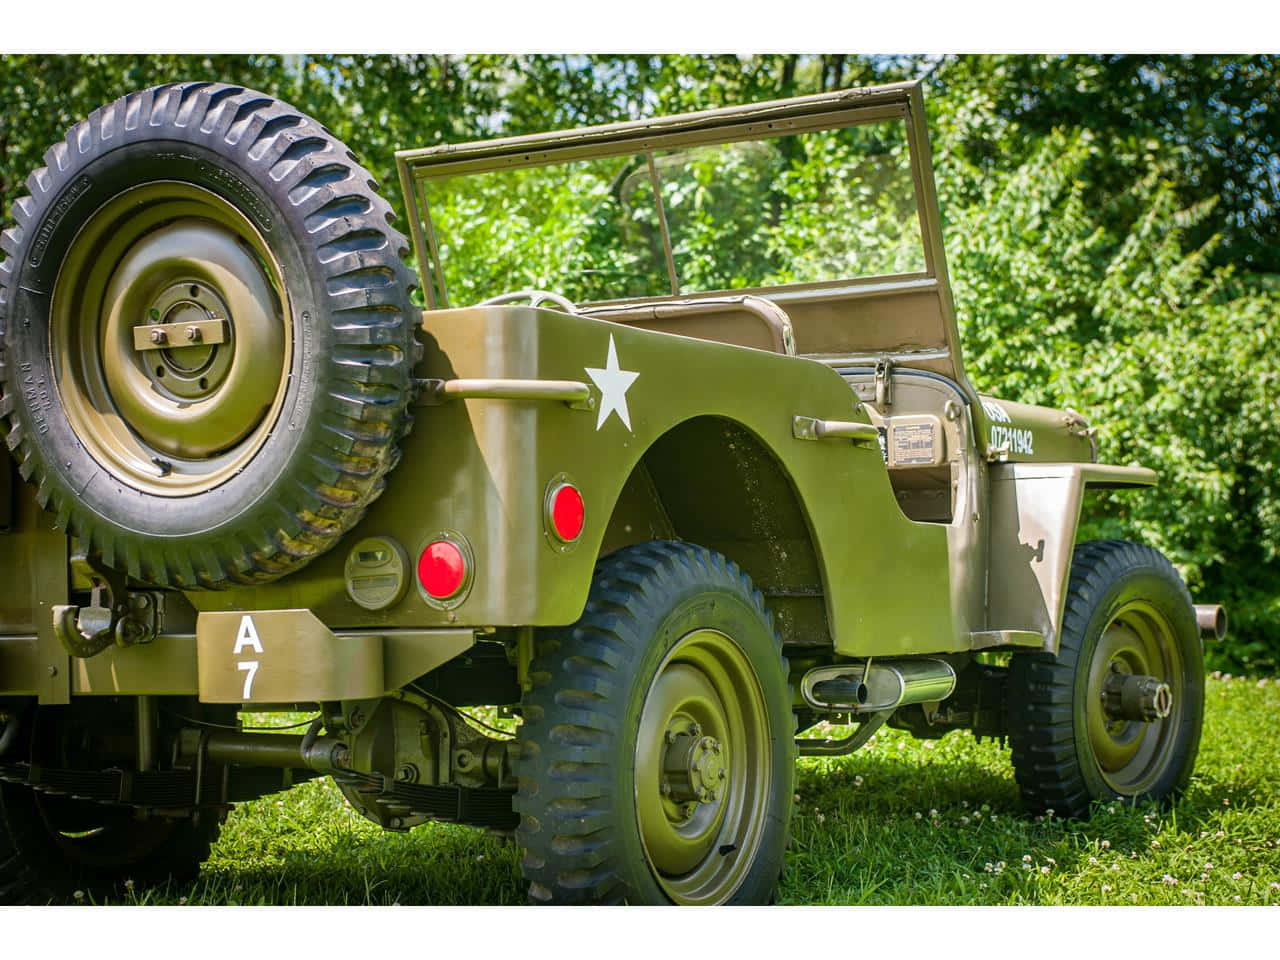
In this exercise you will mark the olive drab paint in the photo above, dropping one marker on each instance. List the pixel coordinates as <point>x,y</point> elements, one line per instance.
<point>480,466</point>
<point>809,459</point>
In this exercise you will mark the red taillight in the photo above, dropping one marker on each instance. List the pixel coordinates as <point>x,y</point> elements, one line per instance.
<point>567,512</point>
<point>442,569</point>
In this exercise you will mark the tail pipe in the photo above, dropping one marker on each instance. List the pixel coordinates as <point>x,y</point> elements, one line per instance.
<point>1212,620</point>
<point>884,685</point>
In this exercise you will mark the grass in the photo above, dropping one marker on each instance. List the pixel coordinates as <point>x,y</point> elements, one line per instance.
<point>900,822</point>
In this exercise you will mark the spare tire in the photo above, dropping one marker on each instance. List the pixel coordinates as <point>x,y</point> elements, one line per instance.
<point>208,337</point>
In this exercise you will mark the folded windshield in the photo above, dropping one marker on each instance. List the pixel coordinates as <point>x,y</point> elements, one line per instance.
<point>812,207</point>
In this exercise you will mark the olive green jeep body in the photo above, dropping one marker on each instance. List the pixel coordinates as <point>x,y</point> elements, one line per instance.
<point>605,515</point>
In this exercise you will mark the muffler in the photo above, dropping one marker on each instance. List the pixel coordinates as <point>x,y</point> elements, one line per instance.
<point>885,685</point>
<point>1212,620</point>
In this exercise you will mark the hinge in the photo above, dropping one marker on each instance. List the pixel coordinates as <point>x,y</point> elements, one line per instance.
<point>884,382</point>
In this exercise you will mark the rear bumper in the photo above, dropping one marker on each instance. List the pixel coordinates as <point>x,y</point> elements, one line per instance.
<point>270,656</point>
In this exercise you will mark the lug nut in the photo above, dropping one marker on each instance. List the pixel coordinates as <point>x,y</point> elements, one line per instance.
<point>695,728</point>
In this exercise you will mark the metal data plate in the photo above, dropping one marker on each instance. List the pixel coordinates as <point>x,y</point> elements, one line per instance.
<point>283,656</point>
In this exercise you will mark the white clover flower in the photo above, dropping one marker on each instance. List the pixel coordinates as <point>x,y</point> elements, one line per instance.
<point>128,884</point>
<point>1169,880</point>
<point>1106,888</point>
<point>1000,866</point>
<point>182,901</point>
<point>79,895</point>
<point>1045,871</point>
<point>821,818</point>
<point>988,867</point>
<point>1051,861</point>
<point>1236,875</point>
<point>1155,843</point>
<point>964,821</point>
<point>1093,860</point>
<point>1273,885</point>
<point>1236,898</point>
<point>1106,844</point>
<point>857,781</point>
<point>1026,858</point>
<point>919,815</point>
<point>933,813</point>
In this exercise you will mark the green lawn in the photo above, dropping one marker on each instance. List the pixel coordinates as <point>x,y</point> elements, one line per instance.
<point>900,822</point>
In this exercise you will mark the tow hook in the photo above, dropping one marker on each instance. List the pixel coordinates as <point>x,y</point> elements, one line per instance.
<point>113,614</point>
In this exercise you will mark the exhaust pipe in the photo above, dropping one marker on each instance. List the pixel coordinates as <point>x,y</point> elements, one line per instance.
<point>885,685</point>
<point>1212,620</point>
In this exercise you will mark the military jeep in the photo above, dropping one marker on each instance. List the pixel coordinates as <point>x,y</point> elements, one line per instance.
<point>679,461</point>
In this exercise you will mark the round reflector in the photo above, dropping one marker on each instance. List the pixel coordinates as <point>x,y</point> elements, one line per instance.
<point>567,512</point>
<point>442,569</point>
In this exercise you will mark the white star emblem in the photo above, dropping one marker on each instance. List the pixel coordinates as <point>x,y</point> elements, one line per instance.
<point>614,384</point>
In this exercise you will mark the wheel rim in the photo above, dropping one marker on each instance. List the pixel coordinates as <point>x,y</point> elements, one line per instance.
<point>183,409</point>
<point>703,760</point>
<point>1132,755</point>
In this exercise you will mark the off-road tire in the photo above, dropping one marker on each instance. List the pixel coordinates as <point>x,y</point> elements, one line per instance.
<point>1054,760</point>
<point>578,763</point>
<point>347,358</point>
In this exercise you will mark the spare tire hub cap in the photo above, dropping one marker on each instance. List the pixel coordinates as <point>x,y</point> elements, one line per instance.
<point>171,329</point>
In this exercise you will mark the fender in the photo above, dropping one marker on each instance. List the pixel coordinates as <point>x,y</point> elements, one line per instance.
<point>1035,510</point>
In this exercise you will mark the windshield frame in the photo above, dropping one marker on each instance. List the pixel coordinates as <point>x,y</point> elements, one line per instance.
<point>766,121</point>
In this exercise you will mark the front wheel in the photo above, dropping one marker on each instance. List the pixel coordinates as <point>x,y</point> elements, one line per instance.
<point>1117,713</point>
<point>657,758</point>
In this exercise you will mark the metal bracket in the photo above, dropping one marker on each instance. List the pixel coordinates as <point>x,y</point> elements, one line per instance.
<point>165,336</point>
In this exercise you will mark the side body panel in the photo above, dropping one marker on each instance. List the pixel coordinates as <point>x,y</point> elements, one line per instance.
<point>481,468</point>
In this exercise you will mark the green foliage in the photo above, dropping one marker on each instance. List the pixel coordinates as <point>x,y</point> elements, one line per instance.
<point>1111,224</point>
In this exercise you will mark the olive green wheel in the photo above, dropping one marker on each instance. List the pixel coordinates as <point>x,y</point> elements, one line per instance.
<point>52,845</point>
<point>1118,712</point>
<point>657,758</point>
<point>208,336</point>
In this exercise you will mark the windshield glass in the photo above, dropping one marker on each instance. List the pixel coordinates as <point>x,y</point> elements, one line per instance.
<point>821,206</point>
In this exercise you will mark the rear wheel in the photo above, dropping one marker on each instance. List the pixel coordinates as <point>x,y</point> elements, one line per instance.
<point>1118,712</point>
<point>208,337</point>
<point>657,758</point>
